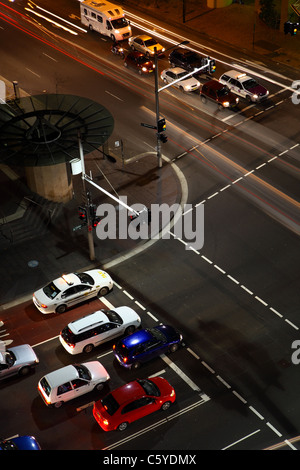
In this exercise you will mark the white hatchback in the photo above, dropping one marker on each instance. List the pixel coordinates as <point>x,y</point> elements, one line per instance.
<point>71,289</point>
<point>71,381</point>
<point>177,73</point>
<point>84,334</point>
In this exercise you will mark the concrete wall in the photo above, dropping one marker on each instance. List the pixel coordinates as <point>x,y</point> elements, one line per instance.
<point>51,182</point>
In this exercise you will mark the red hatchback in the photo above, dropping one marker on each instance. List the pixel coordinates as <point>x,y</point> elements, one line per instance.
<point>140,62</point>
<point>133,401</point>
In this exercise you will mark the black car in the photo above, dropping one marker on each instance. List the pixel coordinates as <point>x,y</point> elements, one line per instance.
<point>185,59</point>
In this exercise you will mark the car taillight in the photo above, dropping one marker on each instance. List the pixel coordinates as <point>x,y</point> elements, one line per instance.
<point>105,422</point>
<point>44,306</point>
<point>125,359</point>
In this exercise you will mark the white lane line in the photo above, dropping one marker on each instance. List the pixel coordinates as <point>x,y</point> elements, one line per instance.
<point>274,429</point>
<point>181,374</point>
<point>256,413</point>
<point>114,96</point>
<point>31,71</point>
<point>242,439</point>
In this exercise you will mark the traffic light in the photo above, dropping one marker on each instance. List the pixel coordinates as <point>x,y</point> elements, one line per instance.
<point>291,28</point>
<point>161,125</point>
<point>82,214</point>
<point>163,138</point>
<point>212,65</point>
<point>95,220</point>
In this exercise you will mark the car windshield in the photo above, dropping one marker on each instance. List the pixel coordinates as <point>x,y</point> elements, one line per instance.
<point>114,317</point>
<point>149,387</point>
<point>224,91</point>
<point>150,42</point>
<point>85,278</point>
<point>51,290</point>
<point>119,23</point>
<point>83,372</point>
<point>142,60</point>
<point>158,335</point>
<point>248,84</point>
<point>110,404</point>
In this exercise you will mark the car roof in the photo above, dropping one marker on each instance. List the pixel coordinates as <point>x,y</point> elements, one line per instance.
<point>176,70</point>
<point>128,392</point>
<point>88,321</point>
<point>237,75</point>
<point>215,84</point>
<point>137,337</point>
<point>61,376</point>
<point>143,37</point>
<point>66,280</point>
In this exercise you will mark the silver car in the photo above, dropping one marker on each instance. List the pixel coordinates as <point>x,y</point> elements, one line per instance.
<point>18,360</point>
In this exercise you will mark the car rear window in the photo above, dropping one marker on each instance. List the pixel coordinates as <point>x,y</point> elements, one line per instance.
<point>85,278</point>
<point>110,404</point>
<point>51,290</point>
<point>45,386</point>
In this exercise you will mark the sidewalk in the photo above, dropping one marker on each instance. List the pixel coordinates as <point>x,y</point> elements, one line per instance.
<point>236,25</point>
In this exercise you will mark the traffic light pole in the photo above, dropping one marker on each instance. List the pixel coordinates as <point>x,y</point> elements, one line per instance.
<point>158,144</point>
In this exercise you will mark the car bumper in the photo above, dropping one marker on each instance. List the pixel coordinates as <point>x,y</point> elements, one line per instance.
<point>40,308</point>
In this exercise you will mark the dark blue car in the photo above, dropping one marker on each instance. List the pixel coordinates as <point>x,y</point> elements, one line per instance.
<point>20,443</point>
<point>144,345</point>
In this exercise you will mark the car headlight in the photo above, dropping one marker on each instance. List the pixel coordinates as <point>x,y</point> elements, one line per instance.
<point>163,49</point>
<point>237,100</point>
<point>226,104</point>
<point>144,69</point>
<point>255,97</point>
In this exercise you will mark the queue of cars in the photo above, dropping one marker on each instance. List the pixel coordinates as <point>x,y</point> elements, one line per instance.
<point>225,92</point>
<point>136,346</point>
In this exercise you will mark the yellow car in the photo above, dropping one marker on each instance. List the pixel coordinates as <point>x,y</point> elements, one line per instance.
<point>146,45</point>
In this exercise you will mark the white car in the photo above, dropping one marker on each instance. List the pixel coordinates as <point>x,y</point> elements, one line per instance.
<point>84,334</point>
<point>72,381</point>
<point>245,86</point>
<point>146,45</point>
<point>71,289</point>
<point>176,73</point>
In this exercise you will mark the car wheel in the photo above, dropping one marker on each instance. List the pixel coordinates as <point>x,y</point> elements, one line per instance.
<point>173,347</point>
<point>181,89</point>
<point>103,291</point>
<point>61,309</point>
<point>129,330</point>
<point>203,99</point>
<point>88,348</point>
<point>132,47</point>
<point>58,404</point>
<point>140,72</point>
<point>112,37</point>
<point>90,27</point>
<point>220,106</point>
<point>125,64</point>
<point>249,99</point>
<point>99,386</point>
<point>165,406</point>
<point>123,426</point>
<point>136,365</point>
<point>24,371</point>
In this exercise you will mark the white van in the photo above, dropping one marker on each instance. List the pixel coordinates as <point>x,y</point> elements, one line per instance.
<point>72,381</point>
<point>106,18</point>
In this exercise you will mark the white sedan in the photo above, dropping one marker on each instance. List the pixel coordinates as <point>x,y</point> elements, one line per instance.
<point>71,289</point>
<point>177,73</point>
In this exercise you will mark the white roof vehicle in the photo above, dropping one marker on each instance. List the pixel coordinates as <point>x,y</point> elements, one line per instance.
<point>176,73</point>
<point>71,289</point>
<point>96,328</point>
<point>72,381</point>
<point>245,86</point>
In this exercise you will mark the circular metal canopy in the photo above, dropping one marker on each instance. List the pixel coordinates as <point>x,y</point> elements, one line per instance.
<point>45,129</point>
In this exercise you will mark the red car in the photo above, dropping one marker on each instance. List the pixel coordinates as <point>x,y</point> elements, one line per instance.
<point>140,62</point>
<point>133,401</point>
